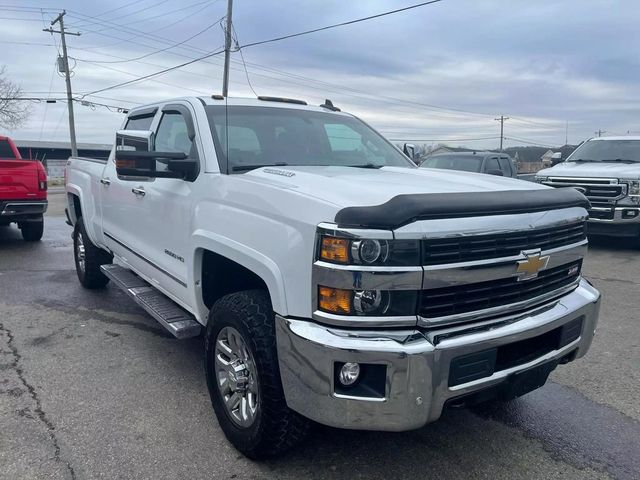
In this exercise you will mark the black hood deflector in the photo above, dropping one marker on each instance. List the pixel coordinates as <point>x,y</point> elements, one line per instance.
<point>404,209</point>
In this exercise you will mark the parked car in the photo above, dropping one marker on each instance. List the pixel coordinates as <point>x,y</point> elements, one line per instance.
<point>477,162</point>
<point>23,191</point>
<point>334,280</point>
<point>607,171</point>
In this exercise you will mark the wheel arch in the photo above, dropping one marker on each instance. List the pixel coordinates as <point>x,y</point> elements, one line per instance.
<point>243,269</point>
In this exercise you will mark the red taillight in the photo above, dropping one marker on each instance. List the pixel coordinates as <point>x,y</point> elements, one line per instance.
<point>42,178</point>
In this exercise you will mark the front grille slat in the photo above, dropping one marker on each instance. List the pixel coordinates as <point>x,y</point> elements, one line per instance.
<point>445,301</point>
<point>436,251</point>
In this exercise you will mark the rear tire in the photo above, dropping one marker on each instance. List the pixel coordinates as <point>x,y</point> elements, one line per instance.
<point>32,231</point>
<point>249,402</point>
<point>88,259</point>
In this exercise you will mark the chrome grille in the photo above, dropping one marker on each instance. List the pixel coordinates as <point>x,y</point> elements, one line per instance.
<point>437,303</point>
<point>439,251</point>
<point>594,188</point>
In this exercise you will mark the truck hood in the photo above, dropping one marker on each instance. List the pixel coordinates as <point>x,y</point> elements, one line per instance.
<point>592,170</point>
<point>349,186</point>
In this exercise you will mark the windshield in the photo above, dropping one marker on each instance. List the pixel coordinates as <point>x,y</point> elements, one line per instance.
<point>453,162</point>
<point>261,136</point>
<point>607,150</point>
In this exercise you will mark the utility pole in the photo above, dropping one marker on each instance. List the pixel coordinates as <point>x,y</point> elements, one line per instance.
<point>67,76</point>
<point>501,120</point>
<point>227,50</point>
<point>566,134</point>
<point>600,132</point>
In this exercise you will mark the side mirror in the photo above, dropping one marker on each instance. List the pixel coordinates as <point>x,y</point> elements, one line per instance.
<point>134,157</point>
<point>409,150</point>
<point>496,172</point>
<point>556,158</point>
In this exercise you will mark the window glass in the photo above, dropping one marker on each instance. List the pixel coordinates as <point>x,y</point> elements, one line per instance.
<point>505,166</point>
<point>465,163</point>
<point>171,136</point>
<point>248,136</point>
<point>492,164</point>
<point>244,145</point>
<point>603,150</point>
<point>5,150</point>
<point>139,123</point>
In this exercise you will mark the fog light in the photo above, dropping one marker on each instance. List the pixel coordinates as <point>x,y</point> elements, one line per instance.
<point>349,373</point>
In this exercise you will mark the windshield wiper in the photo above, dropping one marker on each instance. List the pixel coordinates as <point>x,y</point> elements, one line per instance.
<point>246,168</point>
<point>582,160</point>
<point>365,165</point>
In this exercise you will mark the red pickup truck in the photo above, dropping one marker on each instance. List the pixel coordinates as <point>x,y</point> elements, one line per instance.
<point>23,191</point>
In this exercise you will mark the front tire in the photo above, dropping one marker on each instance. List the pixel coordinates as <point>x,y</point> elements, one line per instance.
<point>243,377</point>
<point>32,231</point>
<point>88,259</point>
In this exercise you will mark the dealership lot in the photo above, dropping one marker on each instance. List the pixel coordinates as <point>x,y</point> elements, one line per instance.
<point>92,387</point>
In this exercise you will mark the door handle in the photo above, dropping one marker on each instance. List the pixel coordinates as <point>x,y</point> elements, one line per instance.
<point>105,181</point>
<point>139,191</point>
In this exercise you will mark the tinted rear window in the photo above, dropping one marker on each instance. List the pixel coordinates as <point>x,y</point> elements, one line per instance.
<point>5,150</point>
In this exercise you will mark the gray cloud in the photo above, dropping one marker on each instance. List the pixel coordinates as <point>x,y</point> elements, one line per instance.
<point>542,63</point>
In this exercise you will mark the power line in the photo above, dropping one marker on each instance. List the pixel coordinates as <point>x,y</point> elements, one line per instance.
<point>342,24</point>
<point>244,64</point>
<point>151,75</point>
<point>529,142</point>
<point>208,27</point>
<point>95,17</point>
<point>182,87</point>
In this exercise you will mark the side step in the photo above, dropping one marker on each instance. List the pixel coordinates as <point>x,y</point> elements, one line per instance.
<point>171,316</point>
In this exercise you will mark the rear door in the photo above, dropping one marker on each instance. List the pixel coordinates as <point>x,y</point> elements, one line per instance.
<point>18,178</point>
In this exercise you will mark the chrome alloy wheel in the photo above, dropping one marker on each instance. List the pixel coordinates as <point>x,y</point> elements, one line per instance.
<point>80,252</point>
<point>236,374</point>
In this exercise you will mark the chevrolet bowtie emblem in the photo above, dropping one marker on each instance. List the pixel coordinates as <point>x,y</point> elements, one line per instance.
<point>531,266</point>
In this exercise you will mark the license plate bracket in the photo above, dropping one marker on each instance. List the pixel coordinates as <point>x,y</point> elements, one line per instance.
<point>521,383</point>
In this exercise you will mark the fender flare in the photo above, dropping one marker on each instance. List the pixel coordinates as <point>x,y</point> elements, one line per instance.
<point>249,258</point>
<point>73,189</point>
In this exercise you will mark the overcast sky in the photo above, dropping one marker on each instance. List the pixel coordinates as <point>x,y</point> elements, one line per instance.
<point>439,73</point>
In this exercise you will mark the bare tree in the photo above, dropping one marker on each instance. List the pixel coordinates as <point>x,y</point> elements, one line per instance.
<point>13,111</point>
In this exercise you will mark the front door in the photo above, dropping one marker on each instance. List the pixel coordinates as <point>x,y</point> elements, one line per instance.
<point>164,225</point>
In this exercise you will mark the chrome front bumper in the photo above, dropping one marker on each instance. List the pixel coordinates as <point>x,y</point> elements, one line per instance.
<point>417,368</point>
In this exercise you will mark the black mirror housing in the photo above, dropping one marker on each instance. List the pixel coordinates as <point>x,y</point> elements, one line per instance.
<point>132,163</point>
<point>409,150</point>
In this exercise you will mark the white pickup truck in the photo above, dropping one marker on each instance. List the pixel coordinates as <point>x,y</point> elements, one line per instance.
<point>607,171</point>
<point>333,280</point>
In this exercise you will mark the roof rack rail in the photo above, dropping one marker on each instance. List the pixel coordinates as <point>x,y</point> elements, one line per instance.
<point>283,100</point>
<point>328,104</point>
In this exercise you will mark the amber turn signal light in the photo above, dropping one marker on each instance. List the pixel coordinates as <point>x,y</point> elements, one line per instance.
<point>334,300</point>
<point>334,249</point>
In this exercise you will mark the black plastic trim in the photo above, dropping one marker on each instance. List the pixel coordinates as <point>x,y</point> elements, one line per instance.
<point>186,113</point>
<point>143,112</point>
<point>404,209</point>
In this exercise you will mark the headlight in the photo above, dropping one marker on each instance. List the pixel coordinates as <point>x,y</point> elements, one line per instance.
<point>634,187</point>
<point>370,252</point>
<point>379,303</point>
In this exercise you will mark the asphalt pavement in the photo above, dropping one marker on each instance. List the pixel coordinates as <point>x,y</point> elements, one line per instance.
<point>92,387</point>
